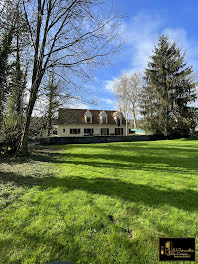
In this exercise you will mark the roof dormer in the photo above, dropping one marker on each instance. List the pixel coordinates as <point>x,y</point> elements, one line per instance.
<point>88,117</point>
<point>118,118</point>
<point>103,117</point>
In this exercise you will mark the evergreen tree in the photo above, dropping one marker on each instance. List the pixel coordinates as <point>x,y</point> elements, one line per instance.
<point>53,101</point>
<point>4,52</point>
<point>11,127</point>
<point>14,33</point>
<point>168,91</point>
<point>17,83</point>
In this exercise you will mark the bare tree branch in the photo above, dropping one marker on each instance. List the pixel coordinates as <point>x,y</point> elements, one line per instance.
<point>69,34</point>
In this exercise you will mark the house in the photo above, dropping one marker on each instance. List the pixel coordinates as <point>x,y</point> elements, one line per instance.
<point>85,122</point>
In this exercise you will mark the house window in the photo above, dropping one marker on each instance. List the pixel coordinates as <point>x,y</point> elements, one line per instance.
<point>119,131</point>
<point>104,131</point>
<point>55,132</point>
<point>75,131</point>
<point>63,130</point>
<point>88,119</point>
<point>88,131</point>
<point>104,120</point>
<point>118,122</point>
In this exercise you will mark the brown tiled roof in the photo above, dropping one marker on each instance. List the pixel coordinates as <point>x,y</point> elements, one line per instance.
<point>76,116</point>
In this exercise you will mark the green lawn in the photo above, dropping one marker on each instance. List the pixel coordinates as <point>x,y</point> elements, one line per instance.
<point>98,203</point>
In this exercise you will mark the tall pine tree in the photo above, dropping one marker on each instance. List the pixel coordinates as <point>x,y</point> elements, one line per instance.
<point>169,90</point>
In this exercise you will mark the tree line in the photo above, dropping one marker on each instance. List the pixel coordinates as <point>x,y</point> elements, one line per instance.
<point>45,41</point>
<point>41,40</point>
<point>163,96</point>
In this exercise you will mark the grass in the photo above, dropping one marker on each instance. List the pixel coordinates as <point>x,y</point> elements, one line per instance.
<point>98,203</point>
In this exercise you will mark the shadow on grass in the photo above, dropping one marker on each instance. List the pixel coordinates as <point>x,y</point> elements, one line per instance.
<point>138,156</point>
<point>154,159</point>
<point>148,145</point>
<point>148,159</point>
<point>65,241</point>
<point>185,199</point>
<point>24,181</point>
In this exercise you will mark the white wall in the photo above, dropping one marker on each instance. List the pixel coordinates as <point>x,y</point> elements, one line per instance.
<point>82,126</point>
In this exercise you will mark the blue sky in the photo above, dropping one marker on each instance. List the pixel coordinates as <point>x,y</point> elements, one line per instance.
<point>145,21</point>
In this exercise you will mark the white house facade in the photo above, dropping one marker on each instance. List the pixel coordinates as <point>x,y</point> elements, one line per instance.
<point>83,123</point>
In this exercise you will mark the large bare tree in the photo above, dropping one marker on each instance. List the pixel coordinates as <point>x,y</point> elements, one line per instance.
<point>123,103</point>
<point>71,34</point>
<point>128,89</point>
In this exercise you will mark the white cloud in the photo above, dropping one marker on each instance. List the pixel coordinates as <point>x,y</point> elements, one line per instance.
<point>142,33</point>
<point>76,104</point>
<point>185,43</point>
<point>107,101</point>
<point>109,84</point>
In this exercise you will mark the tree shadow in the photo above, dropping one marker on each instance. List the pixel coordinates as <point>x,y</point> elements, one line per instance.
<point>9,183</point>
<point>138,156</point>
<point>21,180</point>
<point>151,196</point>
<point>185,199</point>
<point>150,160</point>
<point>67,246</point>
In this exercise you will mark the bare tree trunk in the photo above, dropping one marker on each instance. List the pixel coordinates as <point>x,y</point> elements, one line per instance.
<point>134,117</point>
<point>22,149</point>
<point>166,123</point>
<point>49,113</point>
<point>126,124</point>
<point>51,101</point>
<point>49,128</point>
<point>24,139</point>
<point>49,121</point>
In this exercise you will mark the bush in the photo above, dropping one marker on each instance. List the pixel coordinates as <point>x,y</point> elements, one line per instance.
<point>11,129</point>
<point>194,135</point>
